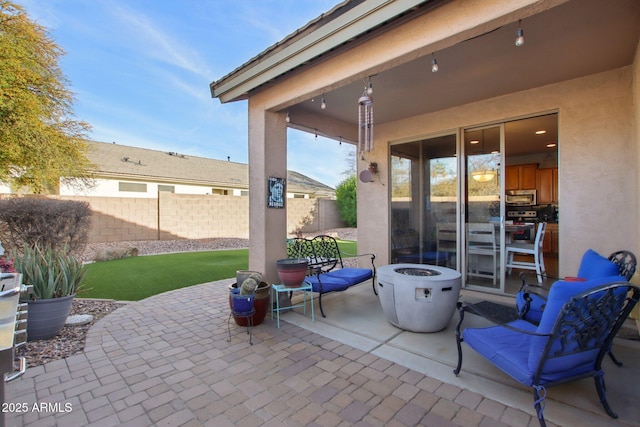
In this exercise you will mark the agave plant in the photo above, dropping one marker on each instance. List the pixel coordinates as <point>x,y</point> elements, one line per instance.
<point>52,273</point>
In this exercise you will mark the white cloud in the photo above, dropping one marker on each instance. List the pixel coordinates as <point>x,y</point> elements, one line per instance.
<point>155,43</point>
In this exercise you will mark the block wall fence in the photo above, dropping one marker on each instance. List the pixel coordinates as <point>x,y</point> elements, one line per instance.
<point>183,216</point>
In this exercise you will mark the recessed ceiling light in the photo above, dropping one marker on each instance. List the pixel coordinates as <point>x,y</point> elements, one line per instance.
<point>541,132</point>
<point>551,145</point>
<point>474,141</point>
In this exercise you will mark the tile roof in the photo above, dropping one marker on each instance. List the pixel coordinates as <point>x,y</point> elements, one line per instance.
<point>114,160</point>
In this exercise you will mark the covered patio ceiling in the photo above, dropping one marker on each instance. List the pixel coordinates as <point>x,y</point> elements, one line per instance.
<point>574,39</point>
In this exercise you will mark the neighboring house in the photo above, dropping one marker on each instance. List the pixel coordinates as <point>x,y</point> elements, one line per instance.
<point>578,71</point>
<point>123,171</point>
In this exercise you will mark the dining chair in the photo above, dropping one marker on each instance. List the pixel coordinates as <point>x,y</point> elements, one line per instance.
<point>535,249</point>
<point>446,241</point>
<point>481,241</point>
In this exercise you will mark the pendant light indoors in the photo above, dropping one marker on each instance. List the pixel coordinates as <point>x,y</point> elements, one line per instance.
<point>483,176</point>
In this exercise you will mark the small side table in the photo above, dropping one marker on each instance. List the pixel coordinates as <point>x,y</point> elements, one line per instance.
<point>304,287</point>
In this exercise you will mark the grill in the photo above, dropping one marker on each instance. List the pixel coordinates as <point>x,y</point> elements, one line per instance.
<point>13,330</point>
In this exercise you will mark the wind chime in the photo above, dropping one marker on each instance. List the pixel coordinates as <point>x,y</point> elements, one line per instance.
<point>365,120</point>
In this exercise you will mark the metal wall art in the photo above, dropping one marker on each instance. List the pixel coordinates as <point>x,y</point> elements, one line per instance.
<point>276,192</point>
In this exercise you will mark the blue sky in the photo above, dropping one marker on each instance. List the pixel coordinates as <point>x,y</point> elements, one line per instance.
<point>140,71</point>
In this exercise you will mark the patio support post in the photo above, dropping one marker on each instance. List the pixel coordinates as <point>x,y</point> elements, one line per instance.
<point>267,158</point>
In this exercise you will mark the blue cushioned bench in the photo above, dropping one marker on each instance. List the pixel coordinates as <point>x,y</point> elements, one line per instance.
<point>326,271</point>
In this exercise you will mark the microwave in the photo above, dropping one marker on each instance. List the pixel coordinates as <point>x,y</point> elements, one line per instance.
<point>520,197</point>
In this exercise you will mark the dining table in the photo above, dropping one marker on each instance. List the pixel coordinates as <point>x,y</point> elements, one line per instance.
<point>513,227</point>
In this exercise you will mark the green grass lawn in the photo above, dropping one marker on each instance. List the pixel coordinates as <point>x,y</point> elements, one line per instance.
<point>135,278</point>
<point>132,279</point>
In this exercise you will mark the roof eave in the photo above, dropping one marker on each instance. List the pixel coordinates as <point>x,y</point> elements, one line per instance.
<point>317,38</point>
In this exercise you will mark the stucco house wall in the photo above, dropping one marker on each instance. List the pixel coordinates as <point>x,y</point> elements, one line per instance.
<point>597,170</point>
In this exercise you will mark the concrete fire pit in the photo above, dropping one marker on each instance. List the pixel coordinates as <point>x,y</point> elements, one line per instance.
<point>418,297</point>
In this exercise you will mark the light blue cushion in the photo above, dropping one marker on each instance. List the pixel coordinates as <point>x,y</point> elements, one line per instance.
<point>340,279</point>
<point>594,265</point>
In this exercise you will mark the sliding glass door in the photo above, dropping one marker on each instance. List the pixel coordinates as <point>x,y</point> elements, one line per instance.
<point>482,216</point>
<point>424,194</point>
<point>448,199</point>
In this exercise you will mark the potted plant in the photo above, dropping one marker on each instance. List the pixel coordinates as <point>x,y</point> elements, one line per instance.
<point>55,276</point>
<point>262,296</point>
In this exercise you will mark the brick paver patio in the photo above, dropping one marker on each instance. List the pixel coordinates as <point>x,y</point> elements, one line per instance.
<point>166,361</point>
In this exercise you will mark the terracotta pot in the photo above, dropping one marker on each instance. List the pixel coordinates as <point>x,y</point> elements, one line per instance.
<point>261,304</point>
<point>292,271</point>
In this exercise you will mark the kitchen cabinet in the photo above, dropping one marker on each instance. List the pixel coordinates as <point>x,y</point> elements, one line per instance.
<point>550,243</point>
<point>521,177</point>
<point>547,185</point>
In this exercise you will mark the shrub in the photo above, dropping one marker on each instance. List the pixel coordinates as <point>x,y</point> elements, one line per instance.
<point>48,223</point>
<point>347,201</point>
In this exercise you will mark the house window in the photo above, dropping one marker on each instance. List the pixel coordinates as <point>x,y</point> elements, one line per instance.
<point>169,188</point>
<point>132,186</point>
<point>219,191</point>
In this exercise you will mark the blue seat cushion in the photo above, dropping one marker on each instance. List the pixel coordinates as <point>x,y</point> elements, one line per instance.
<point>340,279</point>
<point>536,306</point>
<point>594,265</point>
<point>422,258</point>
<point>505,348</point>
<point>510,351</point>
<point>560,293</point>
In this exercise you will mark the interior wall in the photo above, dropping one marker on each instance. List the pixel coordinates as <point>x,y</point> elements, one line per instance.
<point>597,160</point>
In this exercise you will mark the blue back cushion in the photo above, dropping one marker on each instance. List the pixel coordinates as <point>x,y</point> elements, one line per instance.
<point>594,265</point>
<point>560,293</point>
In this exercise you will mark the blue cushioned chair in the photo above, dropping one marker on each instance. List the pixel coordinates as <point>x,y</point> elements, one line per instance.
<point>576,330</point>
<point>530,302</point>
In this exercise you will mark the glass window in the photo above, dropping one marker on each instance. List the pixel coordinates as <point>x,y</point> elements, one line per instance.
<point>136,187</point>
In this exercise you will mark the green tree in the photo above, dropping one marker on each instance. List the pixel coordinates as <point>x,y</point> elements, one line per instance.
<point>347,201</point>
<point>40,142</point>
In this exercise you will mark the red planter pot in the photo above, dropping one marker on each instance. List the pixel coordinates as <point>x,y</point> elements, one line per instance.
<point>292,271</point>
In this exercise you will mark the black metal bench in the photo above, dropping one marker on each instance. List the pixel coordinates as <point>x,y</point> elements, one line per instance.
<point>326,271</point>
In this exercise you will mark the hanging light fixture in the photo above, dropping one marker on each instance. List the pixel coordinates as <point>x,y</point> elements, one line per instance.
<point>288,118</point>
<point>519,34</point>
<point>434,63</point>
<point>483,176</point>
<point>323,104</point>
<point>365,121</point>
